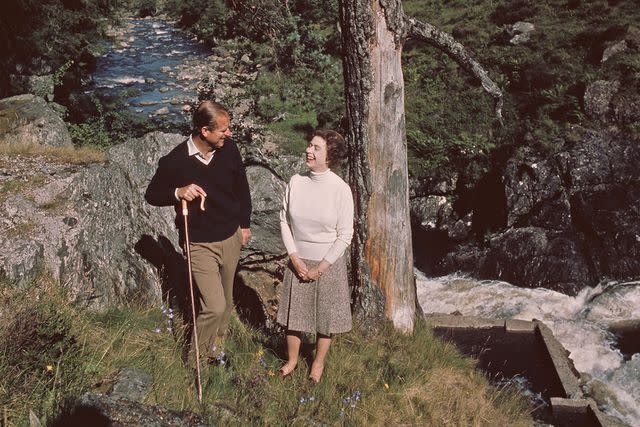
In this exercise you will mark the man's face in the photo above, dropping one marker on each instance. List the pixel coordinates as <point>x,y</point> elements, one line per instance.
<point>215,136</point>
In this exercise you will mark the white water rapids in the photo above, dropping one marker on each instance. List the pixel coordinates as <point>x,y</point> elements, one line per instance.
<point>579,323</point>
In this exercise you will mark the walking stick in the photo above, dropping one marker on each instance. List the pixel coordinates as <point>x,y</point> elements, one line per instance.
<point>185,213</point>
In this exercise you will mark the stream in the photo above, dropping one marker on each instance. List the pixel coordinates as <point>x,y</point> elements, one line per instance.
<point>146,65</point>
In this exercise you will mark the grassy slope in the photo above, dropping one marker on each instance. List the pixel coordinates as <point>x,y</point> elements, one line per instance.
<point>53,351</point>
<point>449,120</point>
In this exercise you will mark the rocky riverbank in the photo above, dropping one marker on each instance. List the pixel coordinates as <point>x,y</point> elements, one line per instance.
<point>561,220</point>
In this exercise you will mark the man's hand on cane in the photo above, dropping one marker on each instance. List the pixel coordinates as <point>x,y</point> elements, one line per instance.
<point>190,192</point>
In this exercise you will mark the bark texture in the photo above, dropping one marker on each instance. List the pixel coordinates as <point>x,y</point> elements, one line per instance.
<point>382,258</point>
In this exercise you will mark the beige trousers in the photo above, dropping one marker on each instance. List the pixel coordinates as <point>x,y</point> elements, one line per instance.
<point>214,266</point>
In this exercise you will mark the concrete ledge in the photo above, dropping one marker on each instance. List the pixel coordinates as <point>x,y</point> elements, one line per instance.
<point>569,377</point>
<point>513,325</point>
<point>466,322</point>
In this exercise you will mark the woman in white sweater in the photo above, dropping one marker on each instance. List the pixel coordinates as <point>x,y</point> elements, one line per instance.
<point>316,223</point>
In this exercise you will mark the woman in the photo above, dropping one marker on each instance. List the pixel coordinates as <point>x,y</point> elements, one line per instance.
<point>316,223</point>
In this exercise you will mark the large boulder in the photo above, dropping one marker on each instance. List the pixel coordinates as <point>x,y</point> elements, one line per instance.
<point>28,120</point>
<point>89,226</point>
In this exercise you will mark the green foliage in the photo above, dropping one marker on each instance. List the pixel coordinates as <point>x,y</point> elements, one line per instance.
<point>40,351</point>
<point>291,34</point>
<point>295,103</point>
<point>41,34</point>
<point>61,71</point>
<point>145,8</point>
<point>102,121</point>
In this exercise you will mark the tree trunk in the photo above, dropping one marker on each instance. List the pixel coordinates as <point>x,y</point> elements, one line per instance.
<point>382,256</point>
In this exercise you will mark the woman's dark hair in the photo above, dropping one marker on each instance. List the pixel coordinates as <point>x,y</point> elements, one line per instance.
<point>336,147</point>
<point>206,114</point>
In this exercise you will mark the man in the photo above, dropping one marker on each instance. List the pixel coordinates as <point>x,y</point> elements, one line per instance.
<point>208,166</point>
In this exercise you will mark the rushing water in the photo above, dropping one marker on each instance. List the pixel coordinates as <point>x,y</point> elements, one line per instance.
<point>580,323</point>
<point>146,63</point>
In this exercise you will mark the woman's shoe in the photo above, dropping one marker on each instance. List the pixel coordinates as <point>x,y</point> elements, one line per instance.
<point>316,372</point>
<point>287,369</point>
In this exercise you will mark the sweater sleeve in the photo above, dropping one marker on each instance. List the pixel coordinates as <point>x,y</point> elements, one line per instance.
<point>285,227</point>
<point>161,189</point>
<point>241,186</point>
<point>344,227</point>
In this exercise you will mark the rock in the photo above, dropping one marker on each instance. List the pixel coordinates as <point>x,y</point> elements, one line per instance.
<point>28,120</point>
<point>613,48</point>
<point>433,211</point>
<point>149,80</point>
<point>97,409</point>
<point>94,231</point>
<point>132,384</point>
<point>165,69</point>
<point>520,32</point>
<point>161,111</point>
<point>90,227</point>
<point>535,193</point>
<point>597,99</point>
<point>435,185</point>
<point>147,103</point>
<point>533,257</point>
<point>242,108</point>
<point>603,182</point>
<point>626,108</point>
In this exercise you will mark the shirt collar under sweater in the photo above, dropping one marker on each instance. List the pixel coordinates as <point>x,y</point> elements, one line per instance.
<point>320,176</point>
<point>193,151</point>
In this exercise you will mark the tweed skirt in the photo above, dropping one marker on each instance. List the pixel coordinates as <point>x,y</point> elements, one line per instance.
<point>322,306</point>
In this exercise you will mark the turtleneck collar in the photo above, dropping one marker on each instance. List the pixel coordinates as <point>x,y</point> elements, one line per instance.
<point>319,176</point>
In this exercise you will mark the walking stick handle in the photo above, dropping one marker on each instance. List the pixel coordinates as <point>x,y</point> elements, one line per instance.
<point>185,210</point>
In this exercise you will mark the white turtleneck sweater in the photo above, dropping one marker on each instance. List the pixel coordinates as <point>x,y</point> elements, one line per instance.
<point>316,219</point>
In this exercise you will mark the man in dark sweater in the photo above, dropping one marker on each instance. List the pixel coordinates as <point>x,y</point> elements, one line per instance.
<point>208,165</point>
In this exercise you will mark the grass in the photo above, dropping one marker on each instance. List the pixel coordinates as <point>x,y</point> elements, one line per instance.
<point>74,155</point>
<point>53,351</point>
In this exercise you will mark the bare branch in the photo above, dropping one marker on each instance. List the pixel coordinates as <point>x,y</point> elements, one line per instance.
<point>458,53</point>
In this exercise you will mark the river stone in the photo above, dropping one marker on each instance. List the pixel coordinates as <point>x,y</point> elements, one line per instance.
<point>28,120</point>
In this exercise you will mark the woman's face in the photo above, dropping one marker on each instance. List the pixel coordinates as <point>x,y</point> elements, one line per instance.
<point>316,154</point>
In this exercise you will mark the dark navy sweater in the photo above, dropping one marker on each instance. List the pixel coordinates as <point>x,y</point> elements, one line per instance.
<point>228,201</point>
